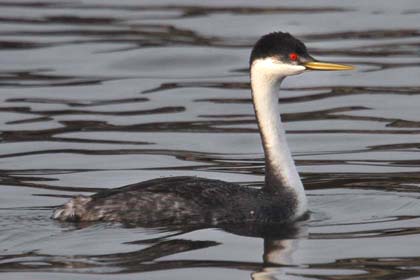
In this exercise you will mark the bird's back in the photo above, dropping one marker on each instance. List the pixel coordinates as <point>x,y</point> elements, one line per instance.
<point>173,200</point>
<point>180,200</point>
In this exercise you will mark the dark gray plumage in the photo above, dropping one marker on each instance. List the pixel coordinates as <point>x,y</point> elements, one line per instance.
<point>180,200</point>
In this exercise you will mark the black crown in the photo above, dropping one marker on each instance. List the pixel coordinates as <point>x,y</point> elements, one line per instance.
<point>277,44</point>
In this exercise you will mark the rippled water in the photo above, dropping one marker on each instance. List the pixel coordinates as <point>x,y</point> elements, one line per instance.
<point>100,94</point>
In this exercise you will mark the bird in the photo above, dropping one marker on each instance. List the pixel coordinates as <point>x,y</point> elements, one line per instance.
<point>190,200</point>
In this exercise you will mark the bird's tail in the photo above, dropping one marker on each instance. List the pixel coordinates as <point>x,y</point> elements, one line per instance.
<point>72,210</point>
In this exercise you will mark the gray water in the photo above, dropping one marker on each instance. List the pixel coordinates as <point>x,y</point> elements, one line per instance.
<point>100,94</point>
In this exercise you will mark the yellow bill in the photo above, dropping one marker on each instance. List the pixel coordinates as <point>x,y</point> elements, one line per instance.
<point>318,65</point>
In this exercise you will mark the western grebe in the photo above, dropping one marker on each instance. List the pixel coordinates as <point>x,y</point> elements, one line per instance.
<point>193,200</point>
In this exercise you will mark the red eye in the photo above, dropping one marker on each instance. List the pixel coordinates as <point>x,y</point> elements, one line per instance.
<point>293,56</point>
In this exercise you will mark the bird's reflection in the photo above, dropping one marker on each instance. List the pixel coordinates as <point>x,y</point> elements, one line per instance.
<point>277,253</point>
<point>278,246</point>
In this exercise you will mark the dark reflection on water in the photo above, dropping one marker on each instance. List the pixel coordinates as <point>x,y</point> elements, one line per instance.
<point>40,79</point>
<point>100,94</point>
<point>147,259</point>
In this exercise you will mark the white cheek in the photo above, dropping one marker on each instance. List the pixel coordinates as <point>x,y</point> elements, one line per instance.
<point>273,68</point>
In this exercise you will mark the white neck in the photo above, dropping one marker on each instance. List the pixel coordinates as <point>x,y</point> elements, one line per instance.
<point>281,174</point>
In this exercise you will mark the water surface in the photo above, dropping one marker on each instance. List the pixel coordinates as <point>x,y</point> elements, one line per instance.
<point>100,94</point>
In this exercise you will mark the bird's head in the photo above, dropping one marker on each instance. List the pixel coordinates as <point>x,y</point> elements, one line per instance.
<point>280,54</point>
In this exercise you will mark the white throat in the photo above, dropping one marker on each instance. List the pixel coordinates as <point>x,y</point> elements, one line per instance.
<point>281,173</point>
